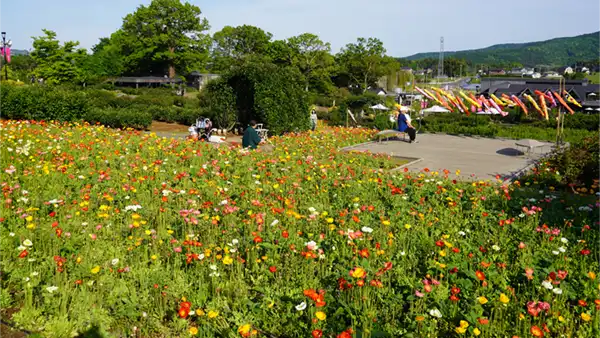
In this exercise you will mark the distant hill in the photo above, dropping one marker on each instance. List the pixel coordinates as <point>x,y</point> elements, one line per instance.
<point>555,52</point>
<point>19,52</point>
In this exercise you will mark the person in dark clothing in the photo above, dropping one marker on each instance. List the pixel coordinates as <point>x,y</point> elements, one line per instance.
<point>251,139</point>
<point>404,124</point>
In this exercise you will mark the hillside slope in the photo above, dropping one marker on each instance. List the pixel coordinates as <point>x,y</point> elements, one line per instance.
<point>554,52</point>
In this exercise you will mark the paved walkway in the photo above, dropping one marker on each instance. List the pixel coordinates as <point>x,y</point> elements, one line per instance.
<point>479,158</point>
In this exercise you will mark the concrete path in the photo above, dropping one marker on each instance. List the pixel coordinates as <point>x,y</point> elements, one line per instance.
<point>476,158</point>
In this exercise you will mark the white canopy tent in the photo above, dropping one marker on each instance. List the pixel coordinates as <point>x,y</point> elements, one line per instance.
<point>379,106</point>
<point>434,110</point>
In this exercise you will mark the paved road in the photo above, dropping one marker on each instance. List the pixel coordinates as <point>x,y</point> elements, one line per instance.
<point>481,158</point>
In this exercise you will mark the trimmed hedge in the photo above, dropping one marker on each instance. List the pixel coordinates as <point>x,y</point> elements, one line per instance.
<point>119,118</point>
<point>42,103</point>
<point>96,105</point>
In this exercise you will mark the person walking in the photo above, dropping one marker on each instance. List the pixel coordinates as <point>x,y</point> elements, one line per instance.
<point>251,139</point>
<point>313,120</point>
<point>405,125</point>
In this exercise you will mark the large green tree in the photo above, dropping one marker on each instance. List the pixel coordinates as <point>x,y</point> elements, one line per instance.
<point>231,44</point>
<point>311,56</point>
<point>106,60</point>
<point>167,36</point>
<point>363,62</point>
<point>55,63</point>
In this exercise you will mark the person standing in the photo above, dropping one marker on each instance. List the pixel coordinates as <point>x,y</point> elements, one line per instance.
<point>313,120</point>
<point>251,139</point>
<point>405,125</point>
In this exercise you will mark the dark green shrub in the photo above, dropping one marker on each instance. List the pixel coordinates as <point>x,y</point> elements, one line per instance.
<point>42,103</point>
<point>119,118</point>
<point>257,89</point>
<point>382,122</point>
<point>577,164</point>
<point>188,116</point>
<point>179,101</point>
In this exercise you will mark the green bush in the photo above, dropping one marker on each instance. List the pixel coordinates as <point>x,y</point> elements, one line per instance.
<point>119,118</point>
<point>258,90</point>
<point>382,122</point>
<point>42,103</point>
<point>578,164</point>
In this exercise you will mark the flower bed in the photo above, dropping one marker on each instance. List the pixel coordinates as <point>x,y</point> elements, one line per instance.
<point>136,234</point>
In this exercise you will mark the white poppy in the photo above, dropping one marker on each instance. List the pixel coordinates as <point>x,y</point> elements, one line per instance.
<point>301,306</point>
<point>435,313</point>
<point>547,285</point>
<point>366,230</point>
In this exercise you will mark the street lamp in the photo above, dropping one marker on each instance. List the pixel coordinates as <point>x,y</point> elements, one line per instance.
<point>4,46</point>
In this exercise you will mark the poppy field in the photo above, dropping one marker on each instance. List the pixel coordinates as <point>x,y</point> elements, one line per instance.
<point>137,235</point>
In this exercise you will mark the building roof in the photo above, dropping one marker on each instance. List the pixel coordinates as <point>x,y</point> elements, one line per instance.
<point>146,79</point>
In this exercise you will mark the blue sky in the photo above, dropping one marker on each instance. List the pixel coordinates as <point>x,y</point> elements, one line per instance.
<point>405,27</point>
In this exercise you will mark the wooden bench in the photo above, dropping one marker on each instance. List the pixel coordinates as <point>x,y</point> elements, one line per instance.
<point>389,133</point>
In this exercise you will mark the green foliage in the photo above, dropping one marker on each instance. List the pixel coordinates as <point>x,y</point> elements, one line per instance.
<point>55,63</point>
<point>6,300</point>
<point>21,67</point>
<point>485,126</point>
<point>42,103</point>
<point>218,99</point>
<point>578,163</point>
<point>382,122</point>
<point>311,56</point>
<point>120,118</point>
<point>164,37</point>
<point>95,105</point>
<point>231,44</point>
<point>363,62</point>
<point>259,90</point>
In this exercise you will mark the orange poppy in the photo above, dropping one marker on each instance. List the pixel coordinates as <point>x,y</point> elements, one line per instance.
<point>536,331</point>
<point>480,275</point>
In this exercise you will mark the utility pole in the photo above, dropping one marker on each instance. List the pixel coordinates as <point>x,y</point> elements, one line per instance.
<point>440,71</point>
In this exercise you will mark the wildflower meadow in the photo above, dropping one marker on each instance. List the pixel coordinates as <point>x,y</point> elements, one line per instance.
<point>138,235</point>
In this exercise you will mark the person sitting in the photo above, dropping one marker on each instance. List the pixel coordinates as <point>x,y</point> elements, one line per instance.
<point>251,139</point>
<point>404,125</point>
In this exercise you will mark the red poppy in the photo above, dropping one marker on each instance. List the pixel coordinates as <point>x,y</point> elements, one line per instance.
<point>273,269</point>
<point>23,254</point>
<point>257,239</point>
<point>183,313</point>
<point>316,333</point>
<point>285,234</point>
<point>483,321</point>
